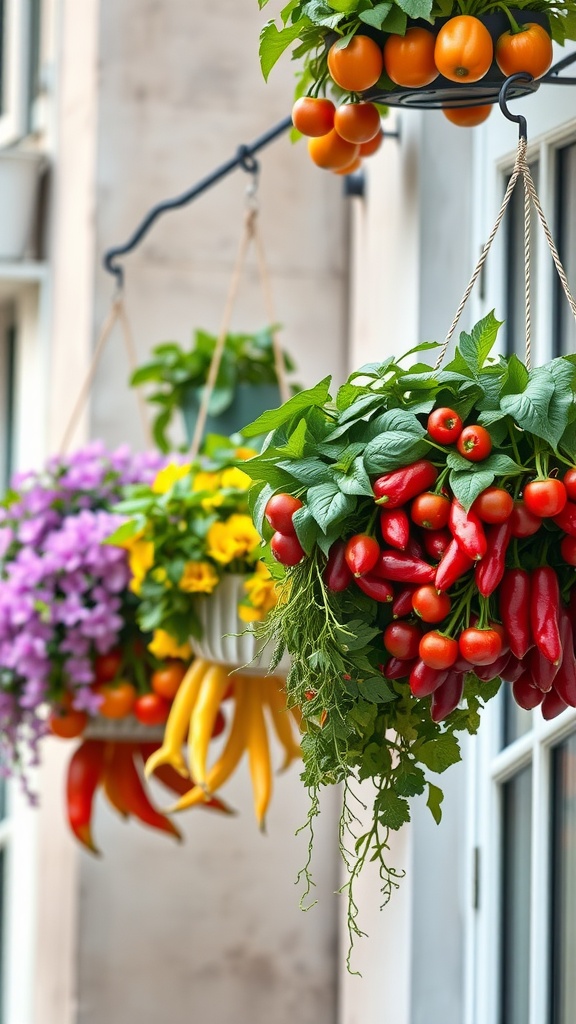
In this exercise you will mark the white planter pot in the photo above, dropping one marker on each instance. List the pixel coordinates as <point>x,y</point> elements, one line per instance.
<point>225,638</point>
<point>19,176</point>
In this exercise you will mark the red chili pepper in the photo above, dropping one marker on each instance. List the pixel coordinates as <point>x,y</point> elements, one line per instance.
<point>514,669</point>
<point>397,669</point>
<point>565,680</point>
<point>514,604</point>
<point>552,705</point>
<point>396,488</point>
<point>572,609</point>
<point>375,587</point>
<point>566,519</point>
<point>468,531</point>
<point>395,565</point>
<point>134,795</point>
<point>542,672</point>
<point>85,772</point>
<point>453,565</point>
<point>525,693</point>
<point>414,547</point>
<point>337,574</point>
<point>463,665</point>
<point>447,697</point>
<point>361,553</point>
<point>424,680</point>
<point>494,671</point>
<point>395,527</point>
<point>491,569</point>
<point>402,603</point>
<point>436,543</point>
<point>544,609</point>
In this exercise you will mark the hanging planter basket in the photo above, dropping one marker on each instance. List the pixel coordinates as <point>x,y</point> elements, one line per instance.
<point>227,640</point>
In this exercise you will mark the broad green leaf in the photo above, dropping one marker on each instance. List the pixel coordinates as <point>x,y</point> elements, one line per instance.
<point>307,471</point>
<point>304,400</point>
<point>356,481</point>
<point>306,528</point>
<point>125,532</point>
<point>416,8</point>
<point>530,408</point>
<point>377,15</point>
<point>516,378</point>
<point>360,406</point>
<point>393,449</point>
<point>438,754</point>
<point>468,485</point>
<point>396,23</point>
<point>321,14</point>
<point>328,505</point>
<point>409,779</point>
<point>434,802</point>
<point>393,811</point>
<point>475,347</point>
<point>258,497</point>
<point>273,43</point>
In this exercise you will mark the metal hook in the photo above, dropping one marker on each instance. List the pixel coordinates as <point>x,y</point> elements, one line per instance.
<point>518,119</point>
<point>247,160</point>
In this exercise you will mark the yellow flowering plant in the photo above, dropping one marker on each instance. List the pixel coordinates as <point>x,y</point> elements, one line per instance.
<point>184,531</point>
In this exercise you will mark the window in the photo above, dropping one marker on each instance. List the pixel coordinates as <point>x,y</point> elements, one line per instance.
<point>7,388</point>
<point>20,22</point>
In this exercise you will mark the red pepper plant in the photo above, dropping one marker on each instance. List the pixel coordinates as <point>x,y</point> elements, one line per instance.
<point>433,515</point>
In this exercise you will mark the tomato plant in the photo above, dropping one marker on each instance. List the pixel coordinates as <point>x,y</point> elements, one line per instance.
<point>545,498</point>
<point>529,49</point>
<point>357,65</point>
<point>438,651</point>
<point>494,505</point>
<point>467,117</point>
<point>474,443</point>
<point>117,699</point>
<point>151,709</point>
<point>429,605</point>
<point>286,549</point>
<point>464,49</point>
<point>279,511</point>
<point>402,640</point>
<point>430,510</point>
<point>165,681</point>
<point>409,59</point>
<point>313,116</point>
<point>331,152</point>
<point>357,122</point>
<point>444,425</point>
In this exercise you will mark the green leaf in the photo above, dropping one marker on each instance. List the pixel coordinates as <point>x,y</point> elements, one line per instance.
<point>273,43</point>
<point>467,485</point>
<point>393,811</point>
<point>376,690</point>
<point>377,15</point>
<point>530,408</point>
<point>416,8</point>
<point>438,754</point>
<point>517,377</point>
<point>306,528</point>
<point>328,505</point>
<point>395,22</point>
<point>391,450</point>
<point>304,400</point>
<point>408,779</point>
<point>356,481</point>
<point>307,471</point>
<point>434,802</point>
<point>475,347</point>
<point>125,532</point>
<point>258,497</point>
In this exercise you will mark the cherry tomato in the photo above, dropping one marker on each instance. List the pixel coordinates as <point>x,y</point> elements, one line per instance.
<point>313,116</point>
<point>436,542</point>
<point>332,152</point>
<point>438,651</point>
<point>545,498</point>
<point>568,550</point>
<point>528,50</point>
<point>569,481</point>
<point>362,553</point>
<point>107,666</point>
<point>166,681</point>
<point>467,117</point>
<point>118,699</point>
<point>350,168</point>
<point>151,709</point>
<point>402,640</point>
<point>480,646</point>
<point>429,605</point>
<point>369,148</point>
<point>444,426</point>
<point>356,66</point>
<point>523,522</point>
<point>286,549</point>
<point>494,505</point>
<point>409,59</point>
<point>279,511</point>
<point>474,443</point>
<point>430,510</point>
<point>357,122</point>
<point>67,723</point>
<point>463,51</point>
<point>499,628</point>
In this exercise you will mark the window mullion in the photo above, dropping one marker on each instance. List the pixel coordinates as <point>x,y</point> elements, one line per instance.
<point>539,885</point>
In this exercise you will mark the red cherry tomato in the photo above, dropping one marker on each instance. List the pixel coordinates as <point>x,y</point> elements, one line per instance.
<point>402,640</point>
<point>287,549</point>
<point>151,709</point>
<point>313,116</point>
<point>438,651</point>
<point>67,724</point>
<point>480,646</point>
<point>118,699</point>
<point>444,425</point>
<point>569,481</point>
<point>499,628</point>
<point>545,498</point>
<point>474,443</point>
<point>107,666</point>
<point>494,505</point>
<point>523,522</point>
<point>166,681</point>
<point>429,605</point>
<point>279,511</point>
<point>430,510</point>
<point>362,553</point>
<point>568,550</point>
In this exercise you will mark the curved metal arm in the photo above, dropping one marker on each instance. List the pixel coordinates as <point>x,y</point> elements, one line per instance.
<point>518,119</point>
<point>244,159</point>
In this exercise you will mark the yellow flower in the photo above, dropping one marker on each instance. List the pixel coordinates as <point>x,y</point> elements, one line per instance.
<point>140,560</point>
<point>168,476</point>
<point>245,453</point>
<point>243,531</point>
<point>208,482</point>
<point>161,576</point>
<point>222,546</point>
<point>262,595</point>
<point>248,614</point>
<point>235,478</point>
<point>163,646</point>
<point>199,578</point>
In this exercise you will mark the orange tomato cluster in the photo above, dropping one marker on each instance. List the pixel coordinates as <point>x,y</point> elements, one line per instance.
<point>338,138</point>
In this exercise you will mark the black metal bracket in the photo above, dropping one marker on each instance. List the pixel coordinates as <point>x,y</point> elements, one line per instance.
<point>518,119</point>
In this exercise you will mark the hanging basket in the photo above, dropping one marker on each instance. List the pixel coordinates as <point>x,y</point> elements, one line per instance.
<point>225,638</point>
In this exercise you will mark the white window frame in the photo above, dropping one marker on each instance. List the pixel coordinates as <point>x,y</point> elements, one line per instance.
<point>15,59</point>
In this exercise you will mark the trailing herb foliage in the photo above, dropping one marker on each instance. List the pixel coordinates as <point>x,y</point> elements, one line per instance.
<point>359,722</point>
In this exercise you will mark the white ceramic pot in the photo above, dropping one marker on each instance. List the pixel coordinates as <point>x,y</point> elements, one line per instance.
<point>225,638</point>
<point>19,176</point>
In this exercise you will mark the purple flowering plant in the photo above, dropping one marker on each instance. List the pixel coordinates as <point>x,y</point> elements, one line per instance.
<point>64,596</point>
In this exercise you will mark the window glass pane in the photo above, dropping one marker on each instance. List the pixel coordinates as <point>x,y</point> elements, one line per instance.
<point>563,987</point>
<point>516,721</point>
<point>515,301</point>
<point>515,926</point>
<point>7,371</point>
<point>34,59</point>
<point>2,57</point>
<point>564,327</point>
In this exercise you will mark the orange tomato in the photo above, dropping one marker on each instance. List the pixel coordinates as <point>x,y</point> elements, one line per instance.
<point>464,49</point>
<point>166,680</point>
<point>331,151</point>
<point>358,65</point>
<point>107,666</point>
<point>467,117</point>
<point>350,168</point>
<point>368,148</point>
<point>151,709</point>
<point>529,50</point>
<point>409,59</point>
<point>313,116</point>
<point>357,122</point>
<point>118,699</point>
<point>67,724</point>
